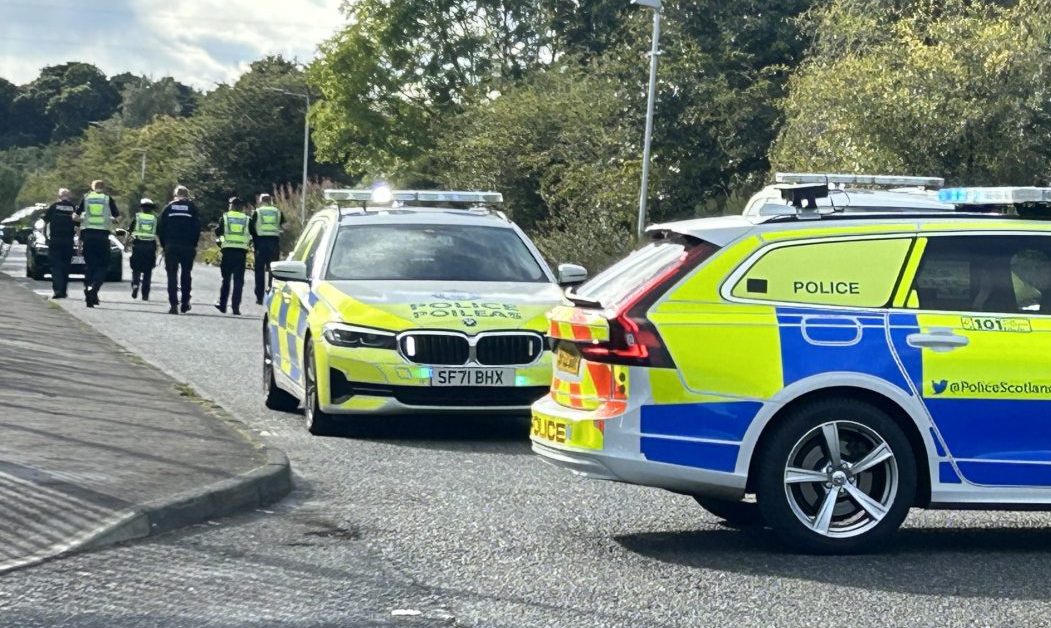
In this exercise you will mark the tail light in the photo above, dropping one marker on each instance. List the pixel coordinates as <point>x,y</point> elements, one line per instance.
<point>633,340</point>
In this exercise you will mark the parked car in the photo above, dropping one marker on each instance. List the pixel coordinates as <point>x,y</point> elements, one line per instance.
<point>38,256</point>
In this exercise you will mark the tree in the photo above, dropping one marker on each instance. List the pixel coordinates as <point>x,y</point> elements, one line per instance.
<point>952,88</point>
<point>60,103</point>
<point>146,100</point>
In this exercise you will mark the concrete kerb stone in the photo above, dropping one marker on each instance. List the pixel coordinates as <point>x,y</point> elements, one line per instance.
<point>259,487</point>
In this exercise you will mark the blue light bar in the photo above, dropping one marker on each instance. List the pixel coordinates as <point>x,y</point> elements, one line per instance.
<point>994,196</point>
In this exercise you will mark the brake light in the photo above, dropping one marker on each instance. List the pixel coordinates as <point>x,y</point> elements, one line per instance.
<point>633,340</point>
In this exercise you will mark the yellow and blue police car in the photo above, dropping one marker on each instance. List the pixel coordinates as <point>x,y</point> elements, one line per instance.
<point>396,305</point>
<point>823,371</point>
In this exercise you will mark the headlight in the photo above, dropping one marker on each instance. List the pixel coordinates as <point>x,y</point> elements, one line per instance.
<point>342,335</point>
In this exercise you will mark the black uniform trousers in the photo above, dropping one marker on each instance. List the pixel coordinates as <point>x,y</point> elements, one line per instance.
<point>143,259</point>
<point>232,267</point>
<point>95,244</point>
<point>267,250</point>
<point>179,257</point>
<point>61,258</point>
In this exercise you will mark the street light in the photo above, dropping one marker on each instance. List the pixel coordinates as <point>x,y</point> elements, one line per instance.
<point>142,175</point>
<point>306,149</point>
<point>650,104</point>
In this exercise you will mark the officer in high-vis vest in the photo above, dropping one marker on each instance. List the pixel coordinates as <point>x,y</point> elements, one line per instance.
<point>61,231</point>
<point>266,225</point>
<point>143,235</point>
<point>96,214</point>
<point>232,233</point>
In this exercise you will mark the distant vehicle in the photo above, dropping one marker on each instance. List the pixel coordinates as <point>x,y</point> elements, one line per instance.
<point>21,222</point>
<point>880,194</point>
<point>405,307</point>
<point>840,367</point>
<point>38,256</point>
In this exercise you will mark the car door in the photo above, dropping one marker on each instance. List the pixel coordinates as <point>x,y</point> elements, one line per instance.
<point>287,313</point>
<point>975,339</point>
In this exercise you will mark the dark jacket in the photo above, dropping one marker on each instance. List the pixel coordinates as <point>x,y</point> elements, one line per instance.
<point>59,219</point>
<point>179,224</point>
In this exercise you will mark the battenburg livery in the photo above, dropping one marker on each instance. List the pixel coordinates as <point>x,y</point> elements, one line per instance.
<point>393,305</point>
<point>840,368</point>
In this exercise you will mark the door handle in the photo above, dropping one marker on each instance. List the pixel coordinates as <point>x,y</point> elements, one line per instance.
<point>938,339</point>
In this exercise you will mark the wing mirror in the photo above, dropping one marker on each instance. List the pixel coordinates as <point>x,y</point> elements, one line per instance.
<point>39,224</point>
<point>290,271</point>
<point>571,274</point>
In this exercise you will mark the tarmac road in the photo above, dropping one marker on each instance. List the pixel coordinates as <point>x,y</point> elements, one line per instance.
<point>456,520</point>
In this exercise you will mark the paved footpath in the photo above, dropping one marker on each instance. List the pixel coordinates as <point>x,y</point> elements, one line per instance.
<point>97,448</point>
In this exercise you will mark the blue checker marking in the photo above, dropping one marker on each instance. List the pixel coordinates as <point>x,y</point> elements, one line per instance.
<point>1002,429</point>
<point>711,456</point>
<point>312,298</point>
<point>802,358</point>
<point>1006,473</point>
<point>947,475</point>
<point>282,314</point>
<point>293,356</point>
<point>716,421</point>
<point>301,324</point>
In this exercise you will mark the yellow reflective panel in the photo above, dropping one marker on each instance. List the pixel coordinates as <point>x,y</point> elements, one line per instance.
<point>906,296</point>
<point>854,273</point>
<point>1005,357</point>
<point>704,284</point>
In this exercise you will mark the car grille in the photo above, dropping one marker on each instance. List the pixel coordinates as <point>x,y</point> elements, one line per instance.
<point>435,349</point>
<point>508,349</point>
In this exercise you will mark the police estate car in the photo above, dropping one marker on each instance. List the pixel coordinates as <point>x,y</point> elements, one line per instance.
<point>399,306</point>
<point>841,368</point>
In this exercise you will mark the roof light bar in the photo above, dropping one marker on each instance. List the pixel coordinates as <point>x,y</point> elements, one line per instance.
<point>995,196</point>
<point>382,196</point>
<point>858,179</point>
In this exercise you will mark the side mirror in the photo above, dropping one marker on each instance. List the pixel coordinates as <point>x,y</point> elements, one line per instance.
<point>121,233</point>
<point>571,274</point>
<point>289,271</point>
<point>39,224</point>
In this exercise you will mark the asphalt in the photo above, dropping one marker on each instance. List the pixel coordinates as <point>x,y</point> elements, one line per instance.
<point>98,448</point>
<point>454,519</point>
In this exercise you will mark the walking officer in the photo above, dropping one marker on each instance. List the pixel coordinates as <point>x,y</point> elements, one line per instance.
<point>95,215</point>
<point>178,231</point>
<point>233,235</point>
<point>61,228</point>
<point>265,227</point>
<point>143,248</point>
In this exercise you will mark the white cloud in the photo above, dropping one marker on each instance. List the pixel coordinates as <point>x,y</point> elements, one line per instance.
<point>197,41</point>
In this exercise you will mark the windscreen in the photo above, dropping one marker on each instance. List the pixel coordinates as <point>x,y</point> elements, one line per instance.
<point>432,253</point>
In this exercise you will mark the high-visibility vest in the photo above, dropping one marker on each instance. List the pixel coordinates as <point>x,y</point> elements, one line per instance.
<point>145,227</point>
<point>235,230</point>
<point>96,213</point>
<point>267,221</point>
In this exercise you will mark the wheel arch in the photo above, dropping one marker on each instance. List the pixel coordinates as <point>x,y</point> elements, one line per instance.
<point>895,403</point>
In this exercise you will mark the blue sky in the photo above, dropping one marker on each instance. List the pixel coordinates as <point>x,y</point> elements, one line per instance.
<point>199,42</point>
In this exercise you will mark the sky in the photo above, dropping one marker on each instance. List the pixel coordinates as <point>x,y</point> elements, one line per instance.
<point>199,42</point>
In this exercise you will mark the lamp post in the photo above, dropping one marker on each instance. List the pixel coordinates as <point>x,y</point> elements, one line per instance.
<point>650,104</point>
<point>142,173</point>
<point>306,148</point>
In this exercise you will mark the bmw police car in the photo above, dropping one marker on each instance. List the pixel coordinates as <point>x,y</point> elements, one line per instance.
<point>393,305</point>
<point>839,367</point>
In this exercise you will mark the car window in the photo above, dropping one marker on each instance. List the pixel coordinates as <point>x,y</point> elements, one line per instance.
<point>999,274</point>
<point>854,273</point>
<point>421,252</point>
<point>307,241</point>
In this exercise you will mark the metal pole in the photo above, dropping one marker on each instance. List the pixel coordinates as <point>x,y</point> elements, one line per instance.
<point>142,175</point>
<point>306,157</point>
<point>650,105</point>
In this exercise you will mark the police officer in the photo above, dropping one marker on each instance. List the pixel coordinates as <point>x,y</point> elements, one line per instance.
<point>95,215</point>
<point>178,231</point>
<point>233,235</point>
<point>61,228</point>
<point>143,234</point>
<point>265,227</point>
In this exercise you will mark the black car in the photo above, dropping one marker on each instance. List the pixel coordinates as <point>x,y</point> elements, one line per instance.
<point>38,259</point>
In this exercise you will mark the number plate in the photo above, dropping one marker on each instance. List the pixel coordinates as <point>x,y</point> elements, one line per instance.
<point>77,259</point>
<point>473,377</point>
<point>568,362</point>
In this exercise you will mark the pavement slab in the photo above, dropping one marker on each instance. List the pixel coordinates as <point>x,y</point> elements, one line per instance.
<point>98,447</point>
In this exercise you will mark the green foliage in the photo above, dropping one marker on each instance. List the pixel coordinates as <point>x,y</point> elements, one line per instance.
<point>144,100</point>
<point>61,102</point>
<point>952,88</point>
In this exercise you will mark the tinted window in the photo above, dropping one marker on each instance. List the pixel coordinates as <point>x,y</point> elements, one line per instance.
<point>1000,274</point>
<point>433,253</point>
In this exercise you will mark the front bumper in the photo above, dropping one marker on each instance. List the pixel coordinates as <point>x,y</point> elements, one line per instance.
<point>616,455</point>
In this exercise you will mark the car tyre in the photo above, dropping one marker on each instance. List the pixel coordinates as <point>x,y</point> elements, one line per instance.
<point>276,398</point>
<point>319,422</point>
<point>737,514</point>
<point>836,477</point>
<point>33,271</point>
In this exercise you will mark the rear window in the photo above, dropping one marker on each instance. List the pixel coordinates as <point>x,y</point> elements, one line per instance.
<point>432,253</point>
<point>620,282</point>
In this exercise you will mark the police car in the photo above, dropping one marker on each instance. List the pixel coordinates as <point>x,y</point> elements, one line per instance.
<point>822,372</point>
<point>38,255</point>
<point>395,305</point>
